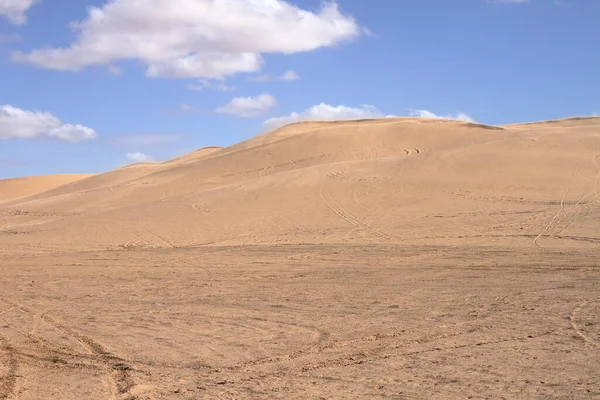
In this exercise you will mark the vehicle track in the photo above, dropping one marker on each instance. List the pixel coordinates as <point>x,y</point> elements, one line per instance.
<point>562,208</point>
<point>156,235</point>
<point>578,329</point>
<point>117,368</point>
<point>120,370</point>
<point>377,352</point>
<point>360,203</point>
<point>569,217</point>
<point>38,350</point>
<point>363,357</point>
<point>8,357</point>
<point>378,340</point>
<point>293,226</point>
<point>349,217</point>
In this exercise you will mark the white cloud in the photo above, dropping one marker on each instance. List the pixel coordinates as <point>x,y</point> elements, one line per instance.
<point>428,114</point>
<point>248,107</point>
<point>139,157</point>
<point>215,65</point>
<point>206,84</point>
<point>195,38</point>
<point>287,76</point>
<point>224,88</point>
<point>14,10</point>
<point>23,124</point>
<point>326,112</point>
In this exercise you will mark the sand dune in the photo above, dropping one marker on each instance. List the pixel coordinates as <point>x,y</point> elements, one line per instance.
<point>427,181</point>
<point>393,258</point>
<point>194,156</point>
<point>22,187</point>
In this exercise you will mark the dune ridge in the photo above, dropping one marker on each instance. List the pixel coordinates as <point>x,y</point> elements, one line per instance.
<point>393,179</point>
<point>399,258</point>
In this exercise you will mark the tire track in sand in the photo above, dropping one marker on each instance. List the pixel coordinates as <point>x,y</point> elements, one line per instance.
<point>165,241</point>
<point>359,202</point>
<point>569,217</point>
<point>119,371</point>
<point>349,217</point>
<point>578,329</point>
<point>562,208</point>
<point>9,379</point>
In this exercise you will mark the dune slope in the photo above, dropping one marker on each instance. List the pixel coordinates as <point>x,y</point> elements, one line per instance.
<point>400,258</point>
<point>393,180</point>
<point>22,187</point>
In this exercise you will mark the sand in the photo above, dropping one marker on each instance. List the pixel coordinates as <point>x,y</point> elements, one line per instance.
<point>401,258</point>
<point>21,187</point>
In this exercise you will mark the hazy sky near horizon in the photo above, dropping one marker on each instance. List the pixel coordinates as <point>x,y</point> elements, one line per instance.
<point>91,85</point>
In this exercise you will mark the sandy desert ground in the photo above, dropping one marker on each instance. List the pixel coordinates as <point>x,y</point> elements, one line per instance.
<point>21,187</point>
<point>399,258</point>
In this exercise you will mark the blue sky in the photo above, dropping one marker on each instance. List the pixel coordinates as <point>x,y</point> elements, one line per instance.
<point>91,85</point>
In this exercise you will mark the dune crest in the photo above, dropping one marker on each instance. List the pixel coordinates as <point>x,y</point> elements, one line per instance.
<point>392,180</point>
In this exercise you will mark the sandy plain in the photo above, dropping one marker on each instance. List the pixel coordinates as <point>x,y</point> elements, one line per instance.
<point>401,258</point>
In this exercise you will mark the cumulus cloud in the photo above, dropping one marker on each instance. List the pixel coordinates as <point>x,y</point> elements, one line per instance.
<point>215,65</point>
<point>287,76</point>
<point>14,10</point>
<point>195,38</point>
<point>206,84</point>
<point>428,114</point>
<point>139,157</point>
<point>23,124</point>
<point>326,112</point>
<point>248,107</point>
